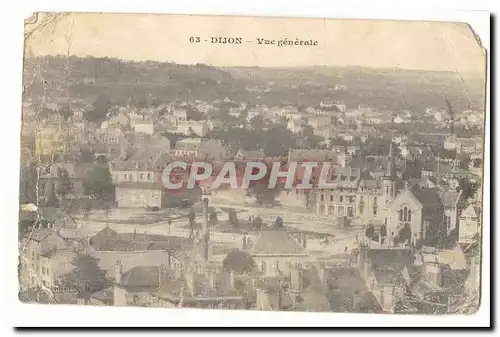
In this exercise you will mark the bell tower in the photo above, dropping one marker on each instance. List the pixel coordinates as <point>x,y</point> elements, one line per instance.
<point>389,178</point>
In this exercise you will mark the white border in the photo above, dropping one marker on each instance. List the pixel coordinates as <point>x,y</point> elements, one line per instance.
<point>36,315</point>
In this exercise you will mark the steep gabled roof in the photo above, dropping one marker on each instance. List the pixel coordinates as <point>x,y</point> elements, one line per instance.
<point>141,277</point>
<point>449,198</point>
<point>276,242</point>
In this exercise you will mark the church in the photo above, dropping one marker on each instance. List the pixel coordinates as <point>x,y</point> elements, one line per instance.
<point>411,212</point>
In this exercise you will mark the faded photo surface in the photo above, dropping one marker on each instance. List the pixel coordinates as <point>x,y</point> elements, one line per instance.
<point>286,164</point>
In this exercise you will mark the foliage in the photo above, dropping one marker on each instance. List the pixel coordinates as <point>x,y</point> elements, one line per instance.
<point>63,185</point>
<point>404,233</point>
<point>98,113</point>
<point>262,193</point>
<point>52,200</point>
<point>233,218</point>
<point>370,231</point>
<point>87,278</point>
<point>86,156</point>
<point>97,182</point>
<point>212,219</point>
<point>278,223</point>
<point>238,261</point>
<point>257,222</point>
<point>383,231</point>
<point>469,188</point>
<point>192,221</point>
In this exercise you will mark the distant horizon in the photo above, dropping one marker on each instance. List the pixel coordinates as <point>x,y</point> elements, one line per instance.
<point>415,45</point>
<point>451,72</point>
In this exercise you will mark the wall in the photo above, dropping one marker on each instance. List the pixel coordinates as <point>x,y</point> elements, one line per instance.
<point>138,198</point>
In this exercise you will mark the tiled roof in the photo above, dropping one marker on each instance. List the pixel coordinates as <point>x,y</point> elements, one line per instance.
<point>299,155</point>
<point>141,277</point>
<point>432,207</point>
<point>276,242</point>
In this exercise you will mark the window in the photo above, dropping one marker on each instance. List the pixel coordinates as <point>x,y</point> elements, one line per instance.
<point>385,221</point>
<point>409,215</point>
<point>341,211</point>
<point>361,208</point>
<point>341,199</point>
<point>43,270</point>
<point>141,176</point>
<point>350,212</point>
<point>404,214</point>
<point>322,197</point>
<point>331,197</point>
<point>149,176</point>
<point>374,210</point>
<point>375,201</point>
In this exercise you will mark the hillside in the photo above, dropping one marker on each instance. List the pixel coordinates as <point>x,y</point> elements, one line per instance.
<point>120,81</point>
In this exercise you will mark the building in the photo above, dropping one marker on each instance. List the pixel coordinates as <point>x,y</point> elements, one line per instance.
<point>193,128</point>
<point>144,126</point>
<point>276,252</point>
<point>47,256</point>
<point>201,148</point>
<point>318,122</point>
<point>296,125</point>
<point>469,224</point>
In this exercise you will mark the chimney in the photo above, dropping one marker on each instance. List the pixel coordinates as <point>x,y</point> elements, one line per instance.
<point>118,272</point>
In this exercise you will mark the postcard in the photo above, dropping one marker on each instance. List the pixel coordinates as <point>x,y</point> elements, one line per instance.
<point>257,163</point>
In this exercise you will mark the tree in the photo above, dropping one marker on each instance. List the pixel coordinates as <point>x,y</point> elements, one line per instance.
<point>262,193</point>
<point>87,278</point>
<point>469,188</point>
<point>63,185</point>
<point>213,220</point>
<point>97,182</point>
<point>192,221</point>
<point>278,223</point>
<point>99,112</point>
<point>383,231</point>
<point>404,233</point>
<point>370,231</point>
<point>239,262</point>
<point>52,198</point>
<point>233,218</point>
<point>257,222</point>
<point>86,156</point>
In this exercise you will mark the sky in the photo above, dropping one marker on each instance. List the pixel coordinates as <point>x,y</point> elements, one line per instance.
<point>420,45</point>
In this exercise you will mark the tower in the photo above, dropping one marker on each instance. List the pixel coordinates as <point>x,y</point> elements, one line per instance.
<point>389,179</point>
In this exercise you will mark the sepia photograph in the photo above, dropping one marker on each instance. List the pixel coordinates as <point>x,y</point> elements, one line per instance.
<point>252,163</point>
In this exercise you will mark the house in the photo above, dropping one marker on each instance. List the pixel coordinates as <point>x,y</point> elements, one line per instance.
<point>469,224</point>
<point>201,148</point>
<point>250,155</point>
<point>46,257</point>
<point>296,125</point>
<point>144,126</point>
<point>318,122</point>
<point>276,251</point>
<point>193,128</point>
<point>75,172</point>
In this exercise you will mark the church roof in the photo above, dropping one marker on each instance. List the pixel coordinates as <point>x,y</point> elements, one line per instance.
<point>276,242</point>
<point>432,207</point>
